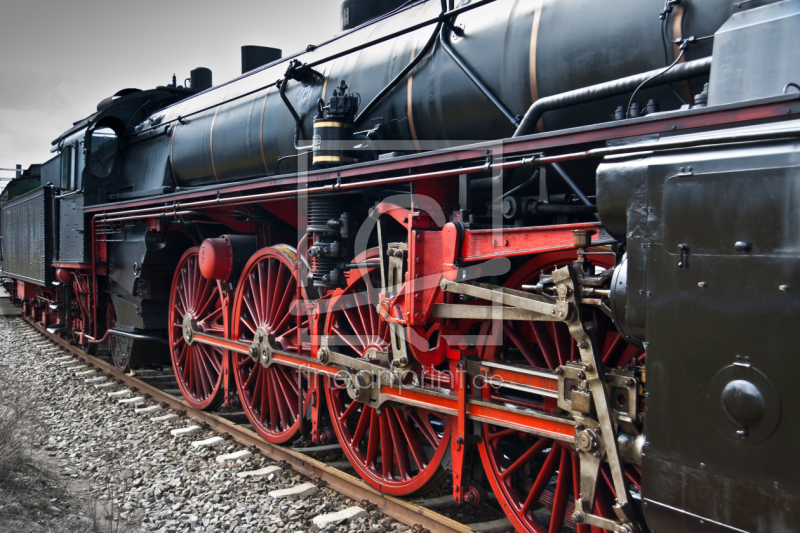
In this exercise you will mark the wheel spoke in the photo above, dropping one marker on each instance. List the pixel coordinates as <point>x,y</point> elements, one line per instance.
<point>526,457</point>
<point>562,492</point>
<point>253,375</point>
<point>348,339</point>
<point>252,303</point>
<point>563,341</point>
<point>387,450</point>
<point>545,344</point>
<point>417,453</point>
<point>352,408</point>
<point>249,325</point>
<point>274,407</point>
<point>424,425</point>
<point>615,351</point>
<point>543,478</point>
<point>353,320</point>
<point>361,428</point>
<point>373,440</point>
<point>523,345</point>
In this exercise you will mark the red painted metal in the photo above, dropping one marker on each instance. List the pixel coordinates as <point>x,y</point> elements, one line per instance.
<point>481,245</point>
<point>458,444</point>
<point>216,259</point>
<point>520,482</point>
<point>390,448</point>
<point>269,298</point>
<point>198,368</point>
<point>26,291</point>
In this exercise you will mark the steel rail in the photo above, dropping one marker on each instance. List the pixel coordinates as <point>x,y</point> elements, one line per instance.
<point>403,511</point>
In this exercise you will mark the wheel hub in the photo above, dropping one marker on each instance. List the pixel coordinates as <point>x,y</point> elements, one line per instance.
<point>189,326</point>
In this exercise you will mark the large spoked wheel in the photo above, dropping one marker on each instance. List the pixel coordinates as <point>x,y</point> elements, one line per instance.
<point>198,368</point>
<point>397,450</point>
<point>269,301</point>
<point>536,480</point>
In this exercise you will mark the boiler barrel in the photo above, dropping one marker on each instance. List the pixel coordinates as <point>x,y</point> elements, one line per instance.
<point>521,49</point>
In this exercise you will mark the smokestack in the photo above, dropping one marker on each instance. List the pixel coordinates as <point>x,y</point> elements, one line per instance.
<point>201,79</point>
<point>256,56</point>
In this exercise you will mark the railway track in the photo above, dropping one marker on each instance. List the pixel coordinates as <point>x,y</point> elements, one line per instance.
<point>418,514</point>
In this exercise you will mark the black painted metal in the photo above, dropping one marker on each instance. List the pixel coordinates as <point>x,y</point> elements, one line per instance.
<point>27,247</point>
<point>254,57</point>
<point>240,130</point>
<point>593,93</point>
<point>713,254</point>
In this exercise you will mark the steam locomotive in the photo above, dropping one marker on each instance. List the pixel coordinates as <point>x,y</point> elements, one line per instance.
<point>546,251</point>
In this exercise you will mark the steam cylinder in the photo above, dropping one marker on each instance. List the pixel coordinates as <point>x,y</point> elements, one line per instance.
<point>521,49</point>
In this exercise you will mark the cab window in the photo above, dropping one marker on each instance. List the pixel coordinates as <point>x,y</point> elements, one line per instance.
<point>68,162</point>
<point>103,152</point>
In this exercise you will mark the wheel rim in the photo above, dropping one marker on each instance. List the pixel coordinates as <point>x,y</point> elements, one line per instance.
<point>198,368</point>
<point>398,451</point>
<point>536,480</point>
<point>267,299</point>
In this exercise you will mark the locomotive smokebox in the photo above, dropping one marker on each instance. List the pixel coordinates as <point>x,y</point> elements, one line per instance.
<point>201,79</point>
<point>257,56</point>
<point>224,258</point>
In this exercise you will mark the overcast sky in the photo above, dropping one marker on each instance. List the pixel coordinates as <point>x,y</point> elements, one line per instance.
<point>59,58</point>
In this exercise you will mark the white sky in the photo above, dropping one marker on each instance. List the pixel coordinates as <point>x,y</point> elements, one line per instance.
<point>59,58</point>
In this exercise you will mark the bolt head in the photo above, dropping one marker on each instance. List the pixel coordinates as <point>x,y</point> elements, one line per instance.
<point>577,517</point>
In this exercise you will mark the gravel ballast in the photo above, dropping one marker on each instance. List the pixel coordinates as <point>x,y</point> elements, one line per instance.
<point>160,482</point>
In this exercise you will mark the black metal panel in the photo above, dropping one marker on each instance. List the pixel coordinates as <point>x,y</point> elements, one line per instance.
<point>51,172</point>
<point>27,249</point>
<point>741,46</point>
<point>724,318</point>
<point>72,246</point>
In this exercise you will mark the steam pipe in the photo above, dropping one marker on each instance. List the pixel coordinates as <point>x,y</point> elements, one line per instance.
<point>593,93</point>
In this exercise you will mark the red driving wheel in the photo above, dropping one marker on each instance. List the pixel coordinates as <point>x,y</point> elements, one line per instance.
<point>536,480</point>
<point>397,450</point>
<point>198,368</point>
<point>267,300</point>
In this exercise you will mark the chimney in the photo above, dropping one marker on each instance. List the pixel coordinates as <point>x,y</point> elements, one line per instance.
<point>201,79</point>
<point>256,56</point>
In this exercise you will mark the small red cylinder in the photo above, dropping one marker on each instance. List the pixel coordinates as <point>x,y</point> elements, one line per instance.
<point>63,275</point>
<point>216,259</point>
